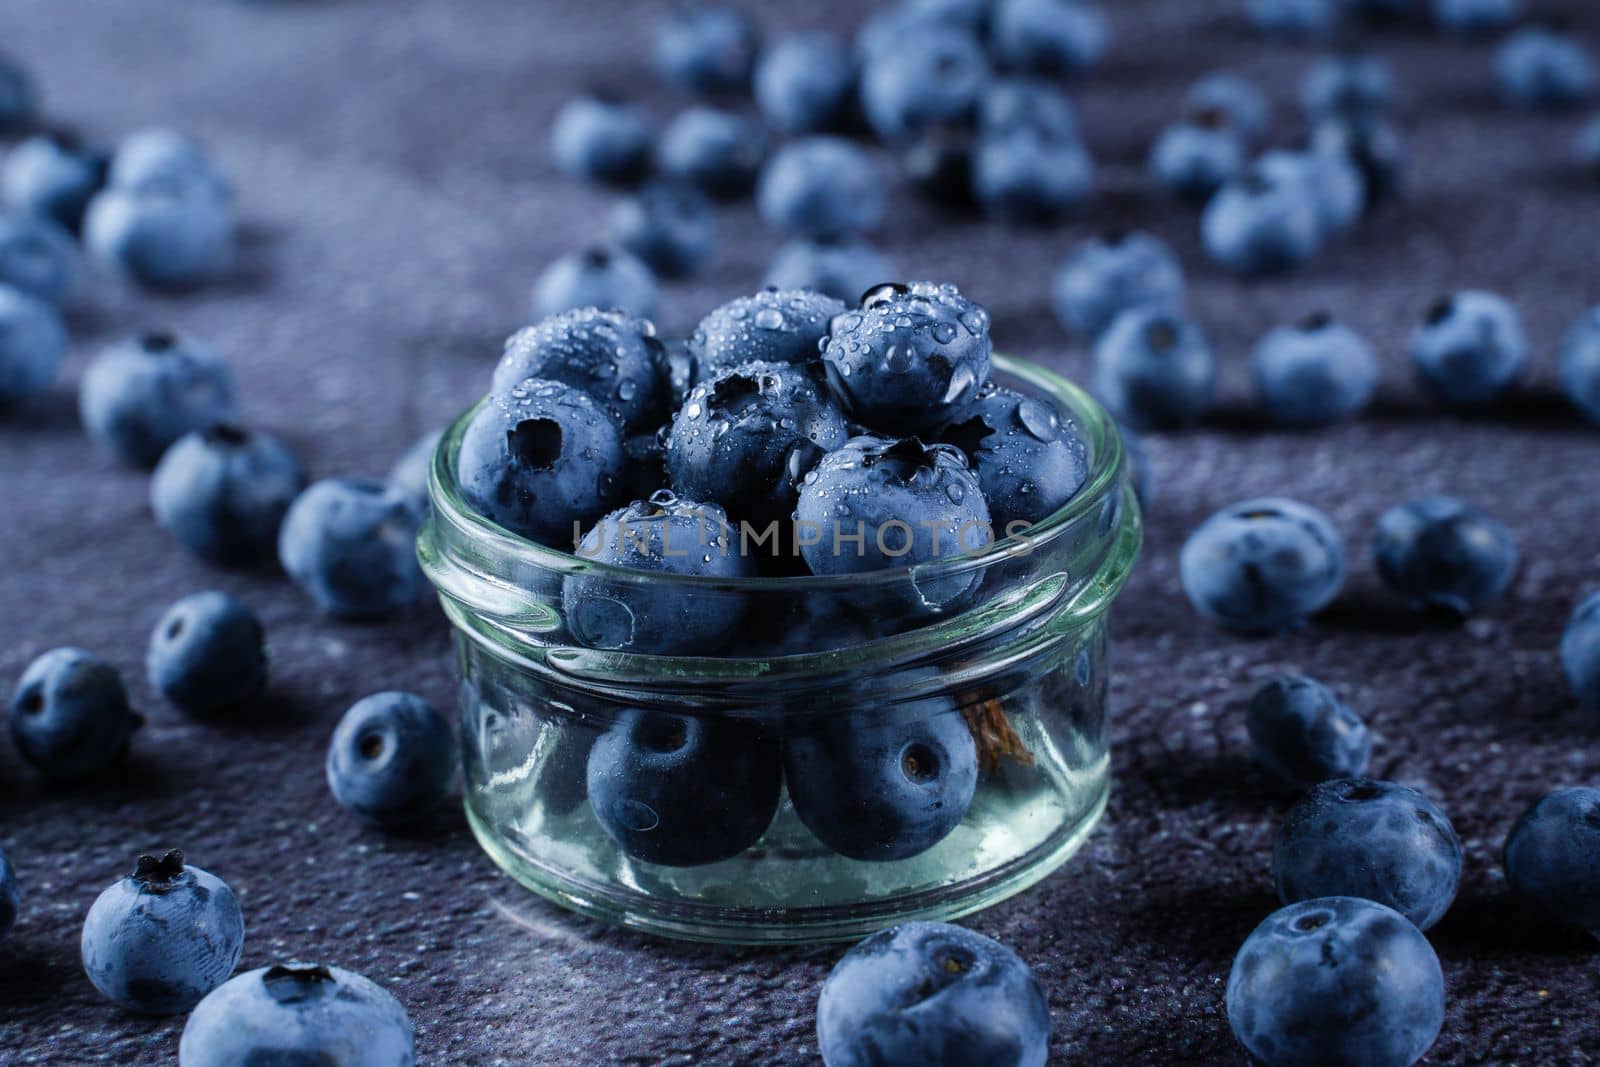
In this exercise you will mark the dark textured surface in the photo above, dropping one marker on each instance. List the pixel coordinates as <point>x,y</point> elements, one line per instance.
<point>391,156</point>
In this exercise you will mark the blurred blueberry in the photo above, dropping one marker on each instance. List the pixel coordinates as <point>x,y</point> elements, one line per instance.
<point>1048,36</point>
<point>1552,857</point>
<point>409,475</point>
<point>1262,223</point>
<point>1580,364</point>
<point>1470,350</point>
<point>38,257</point>
<point>1315,373</point>
<point>1140,473</point>
<point>822,187</point>
<point>19,102</point>
<point>931,74</point>
<point>602,136</point>
<point>889,24</point>
<point>1247,108</point>
<point>936,162</point>
<point>1544,69</point>
<point>1025,178</point>
<point>172,236</point>
<point>672,227</point>
<point>843,268</point>
<point>1105,276</point>
<point>1586,147</point>
<point>805,83</point>
<point>1263,566</point>
<point>1375,149</point>
<point>142,394</point>
<point>33,342</point>
<point>1013,105</point>
<point>596,277</point>
<point>707,48</point>
<point>69,714</point>
<point>1333,180</point>
<point>1299,21</point>
<point>1348,85</point>
<point>1580,651</point>
<point>54,175</point>
<point>392,759</point>
<point>207,654</point>
<point>718,152</point>
<point>1439,552</point>
<point>223,492</point>
<point>1304,734</point>
<point>1475,18</point>
<point>1153,368</point>
<point>351,546</point>
<point>1194,158</point>
<point>156,159</point>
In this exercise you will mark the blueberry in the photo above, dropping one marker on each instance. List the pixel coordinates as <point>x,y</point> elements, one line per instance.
<point>705,48</point>
<point>157,941</point>
<point>883,786</point>
<point>208,654</point>
<point>167,235</point>
<point>929,993</point>
<point>155,160</point>
<point>910,357</point>
<point>392,759</point>
<point>1029,460</point>
<point>928,75</point>
<point>69,714</point>
<point>409,475</point>
<point>1375,149</point>
<point>142,394</point>
<point>1336,981</point>
<point>746,439</point>
<point>10,897</point>
<point>1304,734</point>
<point>541,459</point>
<point>684,790</point>
<point>890,24</point>
<point>1348,85</point>
<point>38,257</point>
<point>602,136</point>
<point>822,187</point>
<point>843,267</point>
<point>1580,651</point>
<point>33,342</point>
<point>683,370</point>
<point>223,492</point>
<point>936,161</point>
<point>1332,181</point>
<point>1586,147</point>
<point>1300,21</point>
<point>1024,178</point>
<point>1262,223</point>
<point>1441,553</point>
<point>1106,276</point>
<point>1263,566</point>
<point>1153,368</point>
<point>54,175</point>
<point>1580,365</point>
<point>1140,473</point>
<point>596,277</point>
<point>1544,69</point>
<point>1475,18</point>
<point>1014,105</point>
<point>806,84</point>
<point>19,103</point>
<point>662,535</point>
<point>1048,36</point>
<point>351,546</point>
<point>718,152</point>
<point>1238,98</point>
<point>1552,857</point>
<point>1470,350</point>
<point>1315,373</point>
<point>1196,157</point>
<point>299,1013</point>
<point>611,356</point>
<point>671,227</point>
<point>771,326</point>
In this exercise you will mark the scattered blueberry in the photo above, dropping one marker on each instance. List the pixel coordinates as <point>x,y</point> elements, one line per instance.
<point>707,49</point>
<point>1194,158</point>
<point>1475,18</point>
<point>929,993</point>
<point>1300,21</point>
<point>351,546</point>
<point>1051,37</point>
<point>910,357</point>
<point>1263,566</point>
<point>409,475</point>
<point>1029,460</point>
<point>392,759</point>
<point>1016,105</point>
<point>1262,223</point>
<point>1375,149</point>
<point>1543,69</point>
<point>1440,553</point>
<point>142,394</point>
<point>806,84</point>
<point>38,257</point>
<point>1331,180</point>
<point>1349,85</point>
<point>1315,373</point>
<point>671,227</point>
<point>157,941</point>
<point>1358,837</point>
<point>1106,276</point>
<point>1024,178</point>
<point>165,234</point>
<point>19,103</point>
<point>928,75</point>
<point>822,187</point>
<point>1552,856</point>
<point>223,492</point>
<point>157,160</point>
<point>604,137</point>
<point>33,342</point>
<point>1580,651</point>
<point>1470,350</point>
<point>1336,981</point>
<point>54,175</point>
<point>890,25</point>
<point>663,535</point>
<point>842,268</point>
<point>1153,368</point>
<point>1304,734</point>
<point>10,897</point>
<point>69,714</point>
<point>684,790</point>
<point>1238,98</point>
<point>718,152</point>
<point>611,356</point>
<point>596,277</point>
<point>1580,365</point>
<point>208,654</point>
<point>298,1013</point>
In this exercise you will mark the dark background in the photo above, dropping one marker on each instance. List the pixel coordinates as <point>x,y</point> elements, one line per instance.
<point>399,199</point>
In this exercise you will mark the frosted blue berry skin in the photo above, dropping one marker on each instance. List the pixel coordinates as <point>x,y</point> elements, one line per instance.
<point>1349,85</point>
<point>170,236</point>
<point>1030,461</point>
<point>1051,37</point>
<point>1439,552</point>
<point>1315,373</point>
<point>1304,734</point>
<point>298,1013</point>
<point>1475,18</point>
<point>1154,368</point>
<point>54,175</point>
<point>612,357</point>
<point>596,277</point>
<point>1247,108</point>
<point>10,896</point>
<point>142,394</point>
<point>1339,981</point>
<point>929,75</point>
<point>769,326</point>
<point>843,268</point>
<point>1580,365</point>
<point>603,137</point>
<point>1552,857</point>
<point>223,491</point>
<point>1358,837</point>
<point>159,940</point>
<point>1541,69</point>
<point>1262,223</point>
<point>1296,21</point>
<point>69,714</point>
<point>1103,277</point>
<point>1027,179</point>
<point>39,258</point>
<point>930,993</point>
<point>1580,651</point>
<point>1263,566</point>
<point>670,226</point>
<point>351,546</point>
<point>33,342</point>
<point>805,84</point>
<point>392,759</point>
<point>207,654</point>
<point>718,152</point>
<point>1194,158</point>
<point>1470,350</point>
<point>822,187</point>
<point>707,49</point>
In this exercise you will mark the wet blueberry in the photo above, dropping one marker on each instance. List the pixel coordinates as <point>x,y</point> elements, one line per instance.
<point>1048,36</point>
<point>1247,108</point>
<point>718,152</point>
<point>157,941</point>
<point>1470,349</point>
<point>822,186</point>
<point>1349,85</point>
<point>671,227</point>
<point>33,342</point>
<point>392,759</point>
<point>805,83</point>
<point>612,357</point>
<point>603,137</point>
<point>1024,178</point>
<point>351,546</point>
<point>1153,368</point>
<point>1314,373</point>
<point>142,394</point>
<point>1552,857</point>
<point>1262,223</point>
<point>207,654</point>
<point>1106,276</point>
<point>1545,69</point>
<point>69,714</point>
<point>596,277</point>
<point>707,48</point>
<point>1580,651</point>
<point>1029,459</point>
<point>1304,734</point>
<point>1441,553</point>
<point>1194,158</point>
<point>770,326</point>
<point>1263,566</point>
<point>1580,365</point>
<point>842,268</point>
<point>223,492</point>
<point>936,161</point>
<point>54,175</point>
<point>38,257</point>
<point>927,75</point>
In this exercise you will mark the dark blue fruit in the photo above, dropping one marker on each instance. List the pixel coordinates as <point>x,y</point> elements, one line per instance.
<point>409,475</point>
<point>822,186</point>
<point>1552,857</point>
<point>208,654</point>
<point>1441,553</point>
<point>1262,223</point>
<point>1375,149</point>
<point>164,235</point>
<point>707,48</point>
<point>718,152</point>
<point>38,257</point>
<point>1304,734</point>
<point>1030,461</point>
<point>805,83</point>
<point>1053,37</point>
<point>140,395</point>
<point>351,546</point>
<point>771,326</point>
<point>1025,178</point>
<point>223,492</point>
<point>18,98</point>
<point>1545,69</point>
<point>602,136</point>
<point>69,714</point>
<point>33,342</point>
<point>1299,21</point>
<point>1153,368</point>
<point>1194,158</point>
<point>1470,350</point>
<point>1349,85</point>
<point>1580,365</point>
<point>1580,651</point>
<point>1103,277</point>
<point>1263,566</point>
<point>596,277</point>
<point>928,75</point>
<point>1314,373</point>
<point>1247,108</point>
<point>842,268</point>
<point>392,759</point>
<point>1475,18</point>
<point>672,227</point>
<point>614,358</point>
<point>54,175</point>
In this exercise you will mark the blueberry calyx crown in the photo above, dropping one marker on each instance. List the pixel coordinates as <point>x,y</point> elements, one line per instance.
<point>596,257</point>
<point>291,983</point>
<point>1209,118</point>
<point>1311,922</point>
<point>1161,335</point>
<point>1441,309</point>
<point>225,434</point>
<point>159,874</point>
<point>535,442</point>
<point>1317,320</point>
<point>880,295</point>
<point>904,459</point>
<point>158,341</point>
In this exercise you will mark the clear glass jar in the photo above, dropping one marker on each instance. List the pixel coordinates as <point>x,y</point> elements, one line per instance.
<point>979,680</point>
